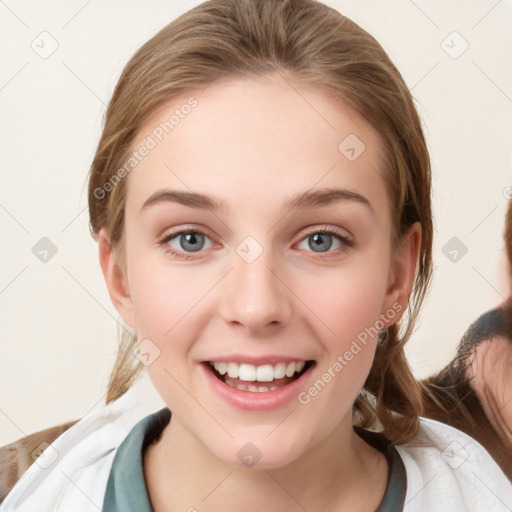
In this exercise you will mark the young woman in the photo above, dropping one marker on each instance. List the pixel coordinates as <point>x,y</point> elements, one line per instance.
<point>261,199</point>
<point>474,391</point>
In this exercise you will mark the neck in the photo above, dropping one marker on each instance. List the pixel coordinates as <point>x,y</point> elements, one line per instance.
<point>182,474</point>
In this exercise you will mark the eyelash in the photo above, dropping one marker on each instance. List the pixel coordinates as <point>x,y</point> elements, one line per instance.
<point>346,242</point>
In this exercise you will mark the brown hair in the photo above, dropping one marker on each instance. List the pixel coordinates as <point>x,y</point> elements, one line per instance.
<point>311,44</point>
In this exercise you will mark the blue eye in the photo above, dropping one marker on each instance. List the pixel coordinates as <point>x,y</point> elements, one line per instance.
<point>321,240</point>
<point>188,241</point>
<point>191,241</point>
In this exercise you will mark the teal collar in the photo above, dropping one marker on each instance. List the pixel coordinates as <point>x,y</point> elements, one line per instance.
<point>126,488</point>
<point>394,497</point>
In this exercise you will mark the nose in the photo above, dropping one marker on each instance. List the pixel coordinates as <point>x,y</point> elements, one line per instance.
<point>255,294</point>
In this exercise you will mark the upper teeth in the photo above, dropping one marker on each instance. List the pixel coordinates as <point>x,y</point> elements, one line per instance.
<point>263,373</point>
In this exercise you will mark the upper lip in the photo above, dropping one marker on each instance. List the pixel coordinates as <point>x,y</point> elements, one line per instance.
<point>256,360</point>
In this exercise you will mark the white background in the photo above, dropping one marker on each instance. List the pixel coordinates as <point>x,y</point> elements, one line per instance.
<point>58,327</point>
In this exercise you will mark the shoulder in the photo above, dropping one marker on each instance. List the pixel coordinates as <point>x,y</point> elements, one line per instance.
<point>72,472</point>
<point>447,468</point>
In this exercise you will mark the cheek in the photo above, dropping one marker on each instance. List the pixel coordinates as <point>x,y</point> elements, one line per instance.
<point>168,311</point>
<point>501,366</point>
<point>168,307</point>
<point>354,310</point>
<point>507,400</point>
<point>164,295</point>
<point>354,319</point>
<point>349,355</point>
<point>349,301</point>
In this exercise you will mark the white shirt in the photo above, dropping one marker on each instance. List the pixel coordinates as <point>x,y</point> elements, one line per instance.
<point>447,471</point>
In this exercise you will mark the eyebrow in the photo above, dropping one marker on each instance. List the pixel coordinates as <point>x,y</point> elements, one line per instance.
<point>308,199</point>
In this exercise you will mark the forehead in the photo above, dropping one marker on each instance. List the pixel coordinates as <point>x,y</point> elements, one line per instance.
<point>256,135</point>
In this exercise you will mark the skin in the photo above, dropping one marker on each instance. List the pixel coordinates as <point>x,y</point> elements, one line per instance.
<point>255,143</point>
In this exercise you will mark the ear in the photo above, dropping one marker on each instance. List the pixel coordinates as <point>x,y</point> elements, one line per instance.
<point>402,275</point>
<point>116,279</point>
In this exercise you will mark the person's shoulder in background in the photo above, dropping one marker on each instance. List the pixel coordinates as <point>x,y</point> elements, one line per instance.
<point>72,472</point>
<point>17,457</point>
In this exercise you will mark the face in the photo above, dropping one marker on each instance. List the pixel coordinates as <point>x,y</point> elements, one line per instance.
<point>281,271</point>
<point>491,368</point>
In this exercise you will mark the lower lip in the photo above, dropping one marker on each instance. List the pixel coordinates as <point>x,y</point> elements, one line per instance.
<point>255,401</point>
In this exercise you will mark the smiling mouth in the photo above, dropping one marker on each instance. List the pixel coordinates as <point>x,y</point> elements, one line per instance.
<point>258,379</point>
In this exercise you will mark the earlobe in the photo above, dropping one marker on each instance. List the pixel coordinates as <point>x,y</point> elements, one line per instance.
<point>402,279</point>
<point>116,280</point>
